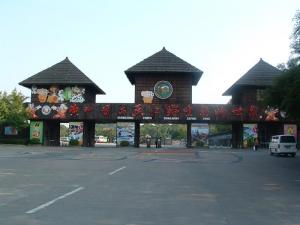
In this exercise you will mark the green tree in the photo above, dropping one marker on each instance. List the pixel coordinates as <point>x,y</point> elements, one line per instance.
<point>174,131</point>
<point>295,45</point>
<point>285,94</point>
<point>220,128</point>
<point>12,110</point>
<point>64,130</point>
<point>106,130</point>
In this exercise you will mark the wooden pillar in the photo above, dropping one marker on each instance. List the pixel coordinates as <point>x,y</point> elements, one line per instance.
<point>88,133</point>
<point>189,135</point>
<point>298,135</point>
<point>237,135</point>
<point>137,134</point>
<point>52,133</point>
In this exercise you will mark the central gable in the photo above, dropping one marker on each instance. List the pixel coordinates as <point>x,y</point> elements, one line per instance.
<point>163,78</point>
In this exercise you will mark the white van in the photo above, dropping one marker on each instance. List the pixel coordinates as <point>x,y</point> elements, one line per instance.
<point>283,144</point>
<point>100,139</point>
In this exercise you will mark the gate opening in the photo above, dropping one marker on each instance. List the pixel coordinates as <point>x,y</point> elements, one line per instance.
<point>167,135</point>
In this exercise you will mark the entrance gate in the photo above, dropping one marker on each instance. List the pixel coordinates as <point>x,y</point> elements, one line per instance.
<point>163,94</point>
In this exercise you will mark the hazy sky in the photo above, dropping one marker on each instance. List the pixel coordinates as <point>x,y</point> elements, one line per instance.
<point>103,38</point>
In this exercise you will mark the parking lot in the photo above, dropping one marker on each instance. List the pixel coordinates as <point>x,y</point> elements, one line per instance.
<point>112,186</point>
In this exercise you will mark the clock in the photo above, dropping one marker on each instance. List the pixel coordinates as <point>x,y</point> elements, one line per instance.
<point>163,89</point>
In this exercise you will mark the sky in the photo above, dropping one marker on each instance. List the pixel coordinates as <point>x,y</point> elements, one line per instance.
<point>104,38</point>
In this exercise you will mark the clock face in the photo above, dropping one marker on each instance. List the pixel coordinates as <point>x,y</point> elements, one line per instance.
<point>163,89</point>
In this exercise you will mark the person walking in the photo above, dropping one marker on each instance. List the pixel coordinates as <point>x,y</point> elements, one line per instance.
<point>256,144</point>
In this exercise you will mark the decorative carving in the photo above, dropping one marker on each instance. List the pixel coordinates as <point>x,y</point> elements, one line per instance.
<point>73,110</point>
<point>188,111</point>
<point>172,110</point>
<point>122,110</point>
<point>106,111</point>
<point>138,111</point>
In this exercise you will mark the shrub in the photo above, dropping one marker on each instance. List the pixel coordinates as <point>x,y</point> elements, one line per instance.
<point>18,141</point>
<point>199,143</point>
<point>74,142</point>
<point>124,143</point>
<point>34,141</point>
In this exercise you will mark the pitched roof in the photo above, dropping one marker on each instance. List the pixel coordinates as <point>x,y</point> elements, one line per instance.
<point>262,74</point>
<point>62,73</point>
<point>163,62</point>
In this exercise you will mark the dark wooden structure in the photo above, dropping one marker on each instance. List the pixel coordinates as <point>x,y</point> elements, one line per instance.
<point>164,66</point>
<point>163,94</point>
<point>249,90</point>
<point>50,87</point>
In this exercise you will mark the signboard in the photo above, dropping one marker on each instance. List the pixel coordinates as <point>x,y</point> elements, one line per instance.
<point>200,133</point>
<point>290,129</point>
<point>154,112</point>
<point>147,96</point>
<point>250,134</point>
<point>10,131</point>
<point>163,89</point>
<point>76,131</point>
<point>125,132</point>
<point>36,130</point>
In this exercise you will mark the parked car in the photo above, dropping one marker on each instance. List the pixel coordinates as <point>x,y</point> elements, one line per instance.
<point>100,139</point>
<point>64,141</point>
<point>130,140</point>
<point>283,144</point>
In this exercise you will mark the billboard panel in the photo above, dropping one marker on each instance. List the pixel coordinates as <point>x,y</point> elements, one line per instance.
<point>250,134</point>
<point>200,133</point>
<point>10,131</point>
<point>76,131</point>
<point>125,132</point>
<point>290,129</point>
<point>36,130</point>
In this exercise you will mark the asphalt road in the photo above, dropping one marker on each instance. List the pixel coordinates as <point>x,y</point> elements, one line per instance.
<point>127,186</point>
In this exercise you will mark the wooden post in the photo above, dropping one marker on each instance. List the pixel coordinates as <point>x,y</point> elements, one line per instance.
<point>52,133</point>
<point>137,134</point>
<point>89,133</point>
<point>237,135</point>
<point>189,135</point>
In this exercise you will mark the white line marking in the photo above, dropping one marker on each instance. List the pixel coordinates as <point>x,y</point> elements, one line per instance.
<point>117,170</point>
<point>54,200</point>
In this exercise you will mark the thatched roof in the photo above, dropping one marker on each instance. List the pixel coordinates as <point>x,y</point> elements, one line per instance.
<point>163,62</point>
<point>262,75</point>
<point>62,73</point>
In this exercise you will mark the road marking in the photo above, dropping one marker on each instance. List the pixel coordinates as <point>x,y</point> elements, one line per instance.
<point>6,173</point>
<point>117,170</point>
<point>4,193</point>
<point>54,200</point>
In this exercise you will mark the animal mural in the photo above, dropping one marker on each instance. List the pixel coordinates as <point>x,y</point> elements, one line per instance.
<point>55,95</point>
<point>271,114</point>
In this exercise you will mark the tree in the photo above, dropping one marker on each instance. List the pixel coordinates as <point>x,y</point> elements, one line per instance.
<point>106,130</point>
<point>64,130</point>
<point>12,110</point>
<point>174,131</point>
<point>295,45</point>
<point>285,94</point>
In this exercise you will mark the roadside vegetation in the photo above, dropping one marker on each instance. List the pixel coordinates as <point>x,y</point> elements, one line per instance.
<point>285,94</point>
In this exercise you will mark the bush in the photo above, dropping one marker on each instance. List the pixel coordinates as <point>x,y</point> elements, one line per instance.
<point>199,143</point>
<point>18,141</point>
<point>124,143</point>
<point>74,142</point>
<point>34,141</point>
